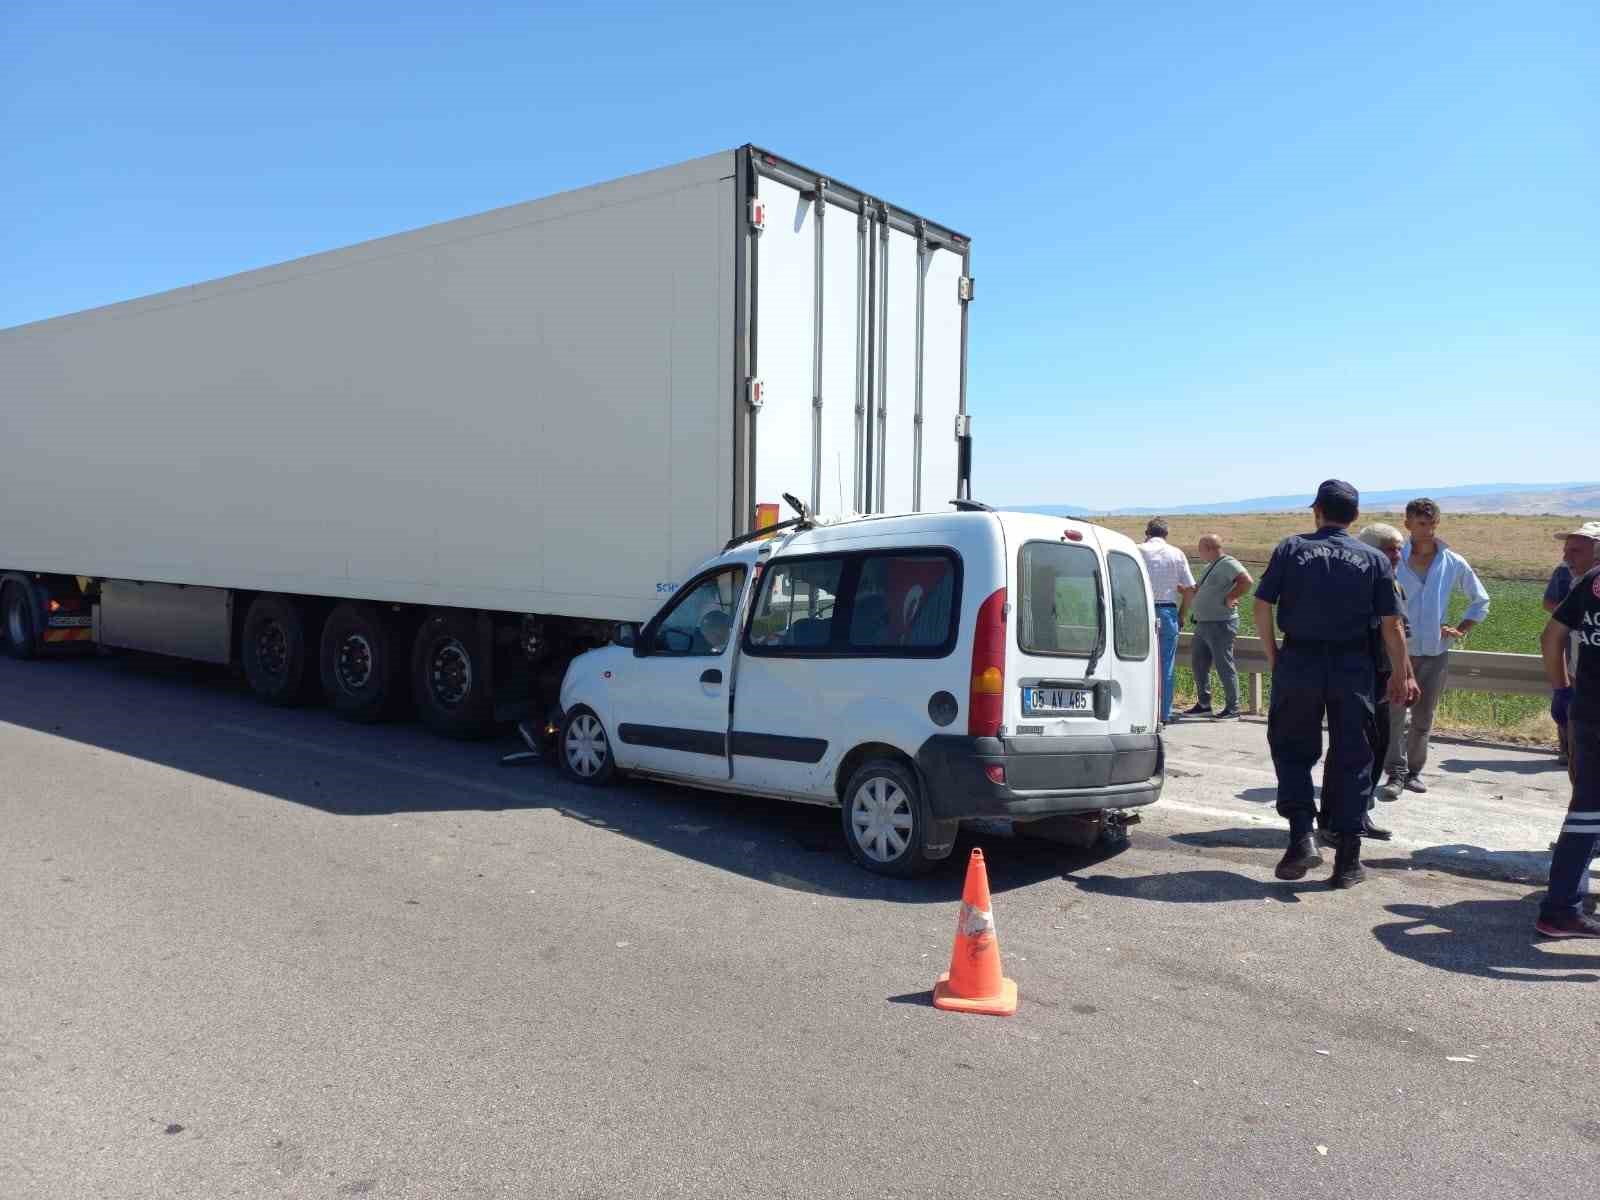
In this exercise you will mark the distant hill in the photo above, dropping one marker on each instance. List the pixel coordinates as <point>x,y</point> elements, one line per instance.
<point>1525,499</point>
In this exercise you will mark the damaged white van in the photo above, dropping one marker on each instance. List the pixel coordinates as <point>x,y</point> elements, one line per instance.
<point>913,671</point>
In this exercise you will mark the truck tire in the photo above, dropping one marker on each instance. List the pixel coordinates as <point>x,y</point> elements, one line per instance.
<point>362,670</point>
<point>20,638</point>
<point>275,647</point>
<point>886,819</point>
<point>450,676</point>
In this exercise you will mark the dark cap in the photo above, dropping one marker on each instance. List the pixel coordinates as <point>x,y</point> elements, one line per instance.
<point>1340,493</point>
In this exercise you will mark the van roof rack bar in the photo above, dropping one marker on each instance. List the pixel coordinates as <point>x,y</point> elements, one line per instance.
<point>756,534</point>
<point>972,506</point>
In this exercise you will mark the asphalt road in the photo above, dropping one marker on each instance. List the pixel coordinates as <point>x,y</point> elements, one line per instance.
<point>253,952</point>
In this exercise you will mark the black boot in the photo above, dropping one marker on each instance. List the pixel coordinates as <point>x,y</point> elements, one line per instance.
<point>1369,830</point>
<point>1299,858</point>
<point>1347,868</point>
<point>1326,838</point>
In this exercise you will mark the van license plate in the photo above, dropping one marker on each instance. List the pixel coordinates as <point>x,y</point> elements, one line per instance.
<point>1056,700</point>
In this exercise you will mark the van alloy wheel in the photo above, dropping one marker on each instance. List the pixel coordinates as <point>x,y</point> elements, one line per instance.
<point>881,819</point>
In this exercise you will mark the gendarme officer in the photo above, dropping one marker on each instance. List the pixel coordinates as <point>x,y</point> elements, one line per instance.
<point>1328,588</point>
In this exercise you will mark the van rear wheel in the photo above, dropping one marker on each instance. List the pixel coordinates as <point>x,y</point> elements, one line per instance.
<point>886,819</point>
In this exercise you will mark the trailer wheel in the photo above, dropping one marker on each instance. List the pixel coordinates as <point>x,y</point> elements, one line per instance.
<point>450,676</point>
<point>276,651</point>
<point>21,641</point>
<point>360,662</point>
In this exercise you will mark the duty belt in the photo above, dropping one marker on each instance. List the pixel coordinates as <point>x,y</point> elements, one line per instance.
<point>1358,645</point>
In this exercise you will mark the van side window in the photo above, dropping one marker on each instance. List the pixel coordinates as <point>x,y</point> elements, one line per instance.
<point>904,602</point>
<point>700,621</point>
<point>1059,609</point>
<point>1130,607</point>
<point>797,605</point>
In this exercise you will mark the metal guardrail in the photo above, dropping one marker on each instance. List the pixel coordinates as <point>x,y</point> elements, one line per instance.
<point>1470,670</point>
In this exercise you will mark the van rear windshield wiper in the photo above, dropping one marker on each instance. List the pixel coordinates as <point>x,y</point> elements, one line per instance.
<point>1100,637</point>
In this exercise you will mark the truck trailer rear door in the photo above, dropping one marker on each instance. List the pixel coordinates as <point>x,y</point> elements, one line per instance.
<point>855,337</point>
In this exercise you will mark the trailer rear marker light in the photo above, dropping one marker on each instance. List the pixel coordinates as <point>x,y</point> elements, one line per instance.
<point>996,773</point>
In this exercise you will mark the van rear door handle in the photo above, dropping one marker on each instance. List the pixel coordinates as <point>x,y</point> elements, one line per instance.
<point>714,675</point>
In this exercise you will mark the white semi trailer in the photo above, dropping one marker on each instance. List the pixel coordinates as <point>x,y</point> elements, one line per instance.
<point>432,467</point>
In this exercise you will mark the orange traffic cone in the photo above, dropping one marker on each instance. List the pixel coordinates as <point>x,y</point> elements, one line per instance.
<point>974,983</point>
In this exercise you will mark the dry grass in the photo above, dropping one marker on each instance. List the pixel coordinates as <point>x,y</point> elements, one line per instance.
<point>1498,547</point>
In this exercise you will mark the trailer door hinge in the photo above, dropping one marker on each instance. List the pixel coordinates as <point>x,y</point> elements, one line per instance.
<point>964,289</point>
<point>758,214</point>
<point>754,394</point>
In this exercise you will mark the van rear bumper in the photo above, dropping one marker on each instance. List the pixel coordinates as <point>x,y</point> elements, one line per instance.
<point>1044,776</point>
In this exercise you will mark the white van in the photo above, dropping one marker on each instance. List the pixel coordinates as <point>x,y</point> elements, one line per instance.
<point>914,671</point>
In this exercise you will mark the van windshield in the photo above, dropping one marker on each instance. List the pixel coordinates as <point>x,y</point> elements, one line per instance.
<point>1060,610</point>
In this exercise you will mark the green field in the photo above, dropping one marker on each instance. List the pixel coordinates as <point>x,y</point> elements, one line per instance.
<point>1516,617</point>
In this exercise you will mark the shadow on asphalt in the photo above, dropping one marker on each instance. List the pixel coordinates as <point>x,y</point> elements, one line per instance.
<point>1451,858</point>
<point>1465,766</point>
<point>1195,887</point>
<point>202,720</point>
<point>1259,795</point>
<point>1490,939</point>
<point>1254,837</point>
<point>1469,862</point>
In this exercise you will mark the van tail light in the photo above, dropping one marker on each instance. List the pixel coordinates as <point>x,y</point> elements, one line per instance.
<point>987,700</point>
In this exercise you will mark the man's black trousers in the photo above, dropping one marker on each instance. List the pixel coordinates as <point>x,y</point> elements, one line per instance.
<point>1377,738</point>
<point>1313,680</point>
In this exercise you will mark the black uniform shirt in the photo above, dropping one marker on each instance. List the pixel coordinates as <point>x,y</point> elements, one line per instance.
<point>1328,586</point>
<point>1580,612</point>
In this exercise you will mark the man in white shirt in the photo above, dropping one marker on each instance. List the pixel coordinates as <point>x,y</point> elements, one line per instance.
<point>1172,585</point>
<point>1429,573</point>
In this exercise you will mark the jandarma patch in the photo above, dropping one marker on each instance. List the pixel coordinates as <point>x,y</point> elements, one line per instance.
<point>1595,587</point>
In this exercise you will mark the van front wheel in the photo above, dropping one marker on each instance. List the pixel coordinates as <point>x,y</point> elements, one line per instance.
<point>886,819</point>
<point>584,748</point>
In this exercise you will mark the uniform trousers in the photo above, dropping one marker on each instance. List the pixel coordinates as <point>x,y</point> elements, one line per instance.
<point>1569,862</point>
<point>1377,737</point>
<point>1313,680</point>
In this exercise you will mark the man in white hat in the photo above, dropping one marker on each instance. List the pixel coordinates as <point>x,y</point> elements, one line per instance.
<point>1580,550</point>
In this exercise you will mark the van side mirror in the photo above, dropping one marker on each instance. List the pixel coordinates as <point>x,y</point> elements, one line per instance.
<point>626,633</point>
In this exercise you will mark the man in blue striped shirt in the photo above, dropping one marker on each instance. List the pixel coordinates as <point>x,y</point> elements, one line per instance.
<point>1429,574</point>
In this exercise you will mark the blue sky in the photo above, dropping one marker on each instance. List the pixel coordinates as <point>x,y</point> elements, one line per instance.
<point>1222,250</point>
